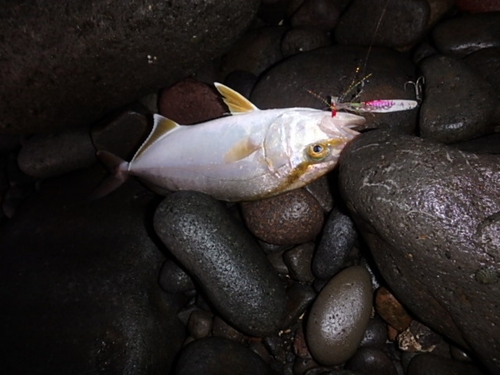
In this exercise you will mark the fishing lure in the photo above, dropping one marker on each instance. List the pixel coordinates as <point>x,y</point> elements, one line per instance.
<point>250,154</point>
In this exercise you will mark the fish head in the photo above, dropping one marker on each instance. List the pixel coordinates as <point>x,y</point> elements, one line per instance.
<point>304,144</point>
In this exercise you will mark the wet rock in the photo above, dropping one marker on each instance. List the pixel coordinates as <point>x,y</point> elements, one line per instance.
<point>320,14</point>
<point>77,276</point>
<point>303,39</point>
<point>391,310</point>
<point>123,135</point>
<point>256,51</point>
<point>69,69</point>
<point>463,35</point>
<point>240,282</point>
<point>217,356</point>
<point>221,329</point>
<point>425,364</point>
<point>473,6</point>
<point>332,71</point>
<point>200,323</point>
<point>335,245</point>
<point>44,156</point>
<point>375,335</point>
<point>446,114</point>
<point>339,316</point>
<point>299,298</point>
<point>371,361</point>
<point>190,101</point>
<point>290,218</point>
<point>276,259</point>
<point>489,144</point>
<point>298,261</point>
<point>241,81</point>
<point>486,62</point>
<point>173,279</point>
<point>398,25</point>
<point>428,213</point>
<point>320,190</point>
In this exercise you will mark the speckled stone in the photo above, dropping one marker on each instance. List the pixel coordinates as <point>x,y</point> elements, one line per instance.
<point>339,316</point>
<point>218,356</point>
<point>337,241</point>
<point>291,218</point>
<point>240,282</point>
<point>429,214</point>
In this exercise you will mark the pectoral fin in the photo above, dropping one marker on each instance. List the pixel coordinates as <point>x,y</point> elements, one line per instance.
<point>236,102</point>
<point>241,150</point>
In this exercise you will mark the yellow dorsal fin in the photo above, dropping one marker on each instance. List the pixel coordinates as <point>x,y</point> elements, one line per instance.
<point>161,126</point>
<point>236,102</point>
<point>241,150</point>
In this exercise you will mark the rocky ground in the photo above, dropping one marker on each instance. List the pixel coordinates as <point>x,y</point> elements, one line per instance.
<point>387,265</point>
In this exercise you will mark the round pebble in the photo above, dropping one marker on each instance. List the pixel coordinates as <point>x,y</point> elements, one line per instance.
<point>375,335</point>
<point>337,240</point>
<point>371,361</point>
<point>298,261</point>
<point>446,114</point>
<point>291,218</point>
<point>189,102</point>
<point>339,316</point>
<point>200,323</point>
<point>173,279</point>
<point>320,14</point>
<point>302,39</point>
<point>234,273</point>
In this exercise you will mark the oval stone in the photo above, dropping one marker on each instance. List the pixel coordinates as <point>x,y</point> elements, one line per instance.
<point>339,316</point>
<point>234,273</point>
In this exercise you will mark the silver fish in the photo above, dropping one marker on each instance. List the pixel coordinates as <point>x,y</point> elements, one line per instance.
<point>249,155</point>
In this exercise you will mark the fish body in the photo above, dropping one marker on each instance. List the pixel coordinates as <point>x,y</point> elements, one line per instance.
<point>249,155</point>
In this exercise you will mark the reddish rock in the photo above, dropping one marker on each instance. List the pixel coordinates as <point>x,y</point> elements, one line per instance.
<point>389,308</point>
<point>291,218</point>
<point>190,101</point>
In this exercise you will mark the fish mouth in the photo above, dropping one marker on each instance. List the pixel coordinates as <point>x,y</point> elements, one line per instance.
<point>341,125</point>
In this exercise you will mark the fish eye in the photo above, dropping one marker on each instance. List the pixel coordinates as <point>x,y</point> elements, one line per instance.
<point>318,151</point>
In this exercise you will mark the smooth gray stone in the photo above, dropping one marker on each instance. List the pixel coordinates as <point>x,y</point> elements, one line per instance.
<point>230,267</point>
<point>430,215</point>
<point>339,316</point>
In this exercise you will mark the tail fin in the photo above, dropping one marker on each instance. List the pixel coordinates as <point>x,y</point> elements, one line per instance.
<point>119,174</point>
